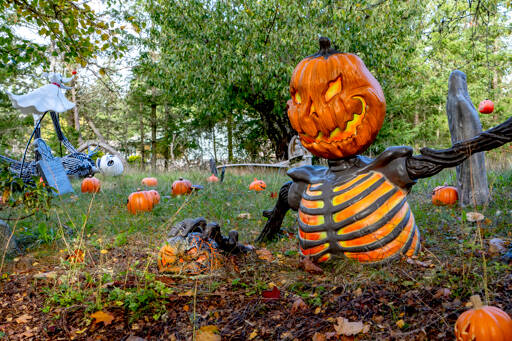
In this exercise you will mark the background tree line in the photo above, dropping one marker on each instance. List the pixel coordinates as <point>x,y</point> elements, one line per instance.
<point>168,76</point>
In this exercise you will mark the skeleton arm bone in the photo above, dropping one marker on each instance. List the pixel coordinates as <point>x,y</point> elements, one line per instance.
<point>432,161</point>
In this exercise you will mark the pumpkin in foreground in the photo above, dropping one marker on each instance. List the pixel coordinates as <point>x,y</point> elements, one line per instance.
<point>483,323</point>
<point>257,185</point>
<point>90,185</point>
<point>140,202</point>
<point>445,195</point>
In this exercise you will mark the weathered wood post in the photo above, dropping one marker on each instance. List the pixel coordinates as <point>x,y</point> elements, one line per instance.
<point>464,124</point>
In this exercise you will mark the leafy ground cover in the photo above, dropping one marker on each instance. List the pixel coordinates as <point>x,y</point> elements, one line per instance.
<point>117,290</point>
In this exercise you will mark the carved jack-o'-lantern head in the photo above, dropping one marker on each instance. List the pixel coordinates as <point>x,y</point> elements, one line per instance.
<point>337,106</point>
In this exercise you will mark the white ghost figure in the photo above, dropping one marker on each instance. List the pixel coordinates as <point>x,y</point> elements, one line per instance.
<point>46,98</point>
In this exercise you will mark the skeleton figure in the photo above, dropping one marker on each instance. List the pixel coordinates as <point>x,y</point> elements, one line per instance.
<point>357,206</point>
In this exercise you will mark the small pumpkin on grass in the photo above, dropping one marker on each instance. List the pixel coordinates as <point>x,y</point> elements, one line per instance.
<point>181,186</point>
<point>212,178</point>
<point>90,185</point>
<point>483,323</point>
<point>155,196</point>
<point>140,202</point>
<point>445,195</point>
<point>257,185</point>
<point>150,182</point>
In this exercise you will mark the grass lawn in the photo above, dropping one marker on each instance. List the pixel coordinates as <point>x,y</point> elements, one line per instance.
<point>43,296</point>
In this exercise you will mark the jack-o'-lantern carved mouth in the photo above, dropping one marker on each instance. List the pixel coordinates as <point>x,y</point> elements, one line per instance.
<point>338,134</point>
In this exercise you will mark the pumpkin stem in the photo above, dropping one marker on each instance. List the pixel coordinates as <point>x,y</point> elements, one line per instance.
<point>477,301</point>
<point>325,47</point>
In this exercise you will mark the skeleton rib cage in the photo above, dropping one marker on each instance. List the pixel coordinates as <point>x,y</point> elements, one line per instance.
<point>367,216</point>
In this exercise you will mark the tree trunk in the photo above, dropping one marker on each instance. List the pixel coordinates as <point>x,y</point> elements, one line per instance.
<point>167,135</point>
<point>153,137</point>
<point>230,137</point>
<point>142,150</point>
<point>214,144</point>
<point>464,124</point>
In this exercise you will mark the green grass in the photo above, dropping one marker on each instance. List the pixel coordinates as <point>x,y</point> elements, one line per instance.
<point>120,270</point>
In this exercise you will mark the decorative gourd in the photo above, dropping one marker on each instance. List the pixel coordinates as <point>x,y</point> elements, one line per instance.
<point>110,165</point>
<point>90,185</point>
<point>191,254</point>
<point>483,323</point>
<point>257,185</point>
<point>150,182</point>
<point>212,178</point>
<point>337,106</point>
<point>181,186</point>
<point>486,106</point>
<point>155,196</point>
<point>140,202</point>
<point>445,195</point>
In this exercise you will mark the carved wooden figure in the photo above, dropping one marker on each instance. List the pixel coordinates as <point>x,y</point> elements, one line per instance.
<point>464,124</point>
<point>356,206</point>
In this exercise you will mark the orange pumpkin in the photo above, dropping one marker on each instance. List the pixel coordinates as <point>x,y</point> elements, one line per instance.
<point>337,106</point>
<point>90,185</point>
<point>445,195</point>
<point>155,196</point>
<point>483,323</point>
<point>140,202</point>
<point>150,182</point>
<point>257,185</point>
<point>181,186</point>
<point>212,178</point>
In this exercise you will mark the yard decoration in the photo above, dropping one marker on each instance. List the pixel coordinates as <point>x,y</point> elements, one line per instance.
<point>337,106</point>
<point>257,185</point>
<point>483,323</point>
<point>181,186</point>
<point>90,185</point>
<point>445,195</point>
<point>150,182</point>
<point>155,196</point>
<point>49,99</point>
<point>194,246</point>
<point>140,202</point>
<point>110,165</point>
<point>486,106</point>
<point>464,124</point>
<point>212,178</point>
<point>357,206</point>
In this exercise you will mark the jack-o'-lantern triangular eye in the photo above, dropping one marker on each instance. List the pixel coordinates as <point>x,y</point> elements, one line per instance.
<point>333,90</point>
<point>297,98</point>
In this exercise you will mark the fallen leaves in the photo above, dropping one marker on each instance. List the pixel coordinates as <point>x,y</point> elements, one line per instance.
<point>298,306</point>
<point>265,254</point>
<point>310,267</point>
<point>346,328</point>
<point>208,333</point>
<point>76,256</point>
<point>101,316</point>
<point>244,215</point>
<point>23,318</point>
<point>272,294</point>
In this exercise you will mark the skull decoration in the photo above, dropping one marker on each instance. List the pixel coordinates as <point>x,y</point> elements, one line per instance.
<point>337,106</point>
<point>110,165</point>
